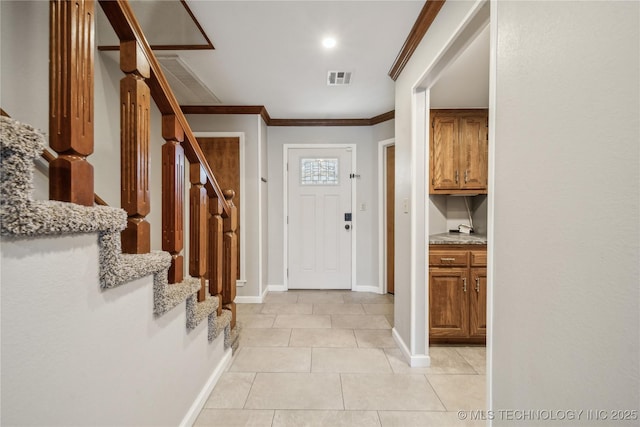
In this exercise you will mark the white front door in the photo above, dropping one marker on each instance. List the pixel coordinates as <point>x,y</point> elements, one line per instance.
<point>319,223</point>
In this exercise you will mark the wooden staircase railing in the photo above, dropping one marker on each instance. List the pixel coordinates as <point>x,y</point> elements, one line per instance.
<point>213,218</point>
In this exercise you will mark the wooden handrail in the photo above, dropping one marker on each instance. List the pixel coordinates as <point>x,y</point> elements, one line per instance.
<point>127,28</point>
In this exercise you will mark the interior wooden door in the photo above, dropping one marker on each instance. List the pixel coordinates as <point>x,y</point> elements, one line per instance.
<point>390,202</point>
<point>223,156</point>
<point>448,303</point>
<point>478,302</point>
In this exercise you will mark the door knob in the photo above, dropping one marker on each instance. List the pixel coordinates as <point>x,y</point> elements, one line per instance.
<point>347,226</point>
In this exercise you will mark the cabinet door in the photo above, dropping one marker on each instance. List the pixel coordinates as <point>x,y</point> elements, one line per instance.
<point>448,302</point>
<point>444,153</point>
<point>478,302</point>
<point>473,152</point>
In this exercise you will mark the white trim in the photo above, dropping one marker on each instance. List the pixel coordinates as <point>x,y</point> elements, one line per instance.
<point>193,412</point>
<point>277,288</point>
<point>285,197</point>
<point>248,300</point>
<point>382,213</point>
<point>251,299</point>
<point>260,213</point>
<point>243,194</point>
<point>493,60</point>
<point>240,283</point>
<point>414,361</point>
<point>374,289</point>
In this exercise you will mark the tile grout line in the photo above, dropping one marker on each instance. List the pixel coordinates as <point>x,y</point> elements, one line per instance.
<point>436,393</point>
<point>246,399</point>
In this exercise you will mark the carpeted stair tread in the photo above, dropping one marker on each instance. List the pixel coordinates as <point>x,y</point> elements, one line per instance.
<point>219,324</point>
<point>234,338</point>
<point>117,268</point>
<point>198,311</point>
<point>22,216</point>
<point>166,296</point>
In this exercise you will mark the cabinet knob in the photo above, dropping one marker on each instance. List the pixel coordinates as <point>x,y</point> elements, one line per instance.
<point>477,284</point>
<point>464,284</point>
<point>466,174</point>
<point>457,176</point>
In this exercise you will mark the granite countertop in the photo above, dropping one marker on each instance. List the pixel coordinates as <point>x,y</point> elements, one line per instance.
<point>458,239</point>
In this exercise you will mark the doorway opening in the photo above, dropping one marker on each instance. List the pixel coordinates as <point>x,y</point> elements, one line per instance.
<point>386,215</point>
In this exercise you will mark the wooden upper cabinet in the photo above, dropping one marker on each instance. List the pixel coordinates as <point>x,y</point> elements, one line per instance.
<point>444,148</point>
<point>458,152</point>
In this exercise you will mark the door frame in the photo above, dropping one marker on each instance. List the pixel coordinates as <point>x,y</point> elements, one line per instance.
<point>382,213</point>
<point>242,280</point>
<point>477,19</point>
<point>285,197</point>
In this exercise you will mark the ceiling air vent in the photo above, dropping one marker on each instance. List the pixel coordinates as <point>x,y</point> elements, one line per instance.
<point>338,78</point>
<point>187,87</point>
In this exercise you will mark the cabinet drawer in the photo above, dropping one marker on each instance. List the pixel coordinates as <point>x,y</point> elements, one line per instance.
<point>448,258</point>
<point>479,258</point>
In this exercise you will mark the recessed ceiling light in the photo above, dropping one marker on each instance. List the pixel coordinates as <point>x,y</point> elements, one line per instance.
<point>329,42</point>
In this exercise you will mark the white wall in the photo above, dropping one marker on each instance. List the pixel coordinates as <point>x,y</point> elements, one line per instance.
<point>448,212</point>
<point>73,354</point>
<point>366,221</point>
<point>410,297</point>
<point>251,126</point>
<point>565,325</point>
<point>24,87</point>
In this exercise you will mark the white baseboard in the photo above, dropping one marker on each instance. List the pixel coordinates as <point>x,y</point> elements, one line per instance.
<point>248,300</point>
<point>415,361</point>
<point>374,289</point>
<point>191,416</point>
<point>277,288</point>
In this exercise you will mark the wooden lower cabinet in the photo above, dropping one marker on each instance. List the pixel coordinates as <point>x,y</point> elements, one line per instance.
<point>478,303</point>
<point>457,294</point>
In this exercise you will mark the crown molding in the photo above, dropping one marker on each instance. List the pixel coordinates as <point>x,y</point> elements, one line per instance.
<point>423,22</point>
<point>262,111</point>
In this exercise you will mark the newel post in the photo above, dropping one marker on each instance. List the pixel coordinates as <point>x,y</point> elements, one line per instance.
<point>173,195</point>
<point>72,43</point>
<point>135,102</point>
<point>198,217</point>
<point>230,257</point>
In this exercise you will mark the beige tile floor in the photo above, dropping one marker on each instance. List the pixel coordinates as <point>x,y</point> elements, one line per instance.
<point>327,358</point>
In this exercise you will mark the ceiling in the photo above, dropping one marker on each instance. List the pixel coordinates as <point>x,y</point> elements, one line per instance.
<point>270,53</point>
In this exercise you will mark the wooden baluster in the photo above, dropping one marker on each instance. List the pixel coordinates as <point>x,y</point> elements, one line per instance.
<point>198,226</point>
<point>72,43</point>
<point>216,247</point>
<point>135,101</point>
<point>173,195</point>
<point>230,257</point>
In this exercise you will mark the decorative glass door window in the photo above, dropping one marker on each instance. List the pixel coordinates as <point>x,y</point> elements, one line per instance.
<point>319,171</point>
